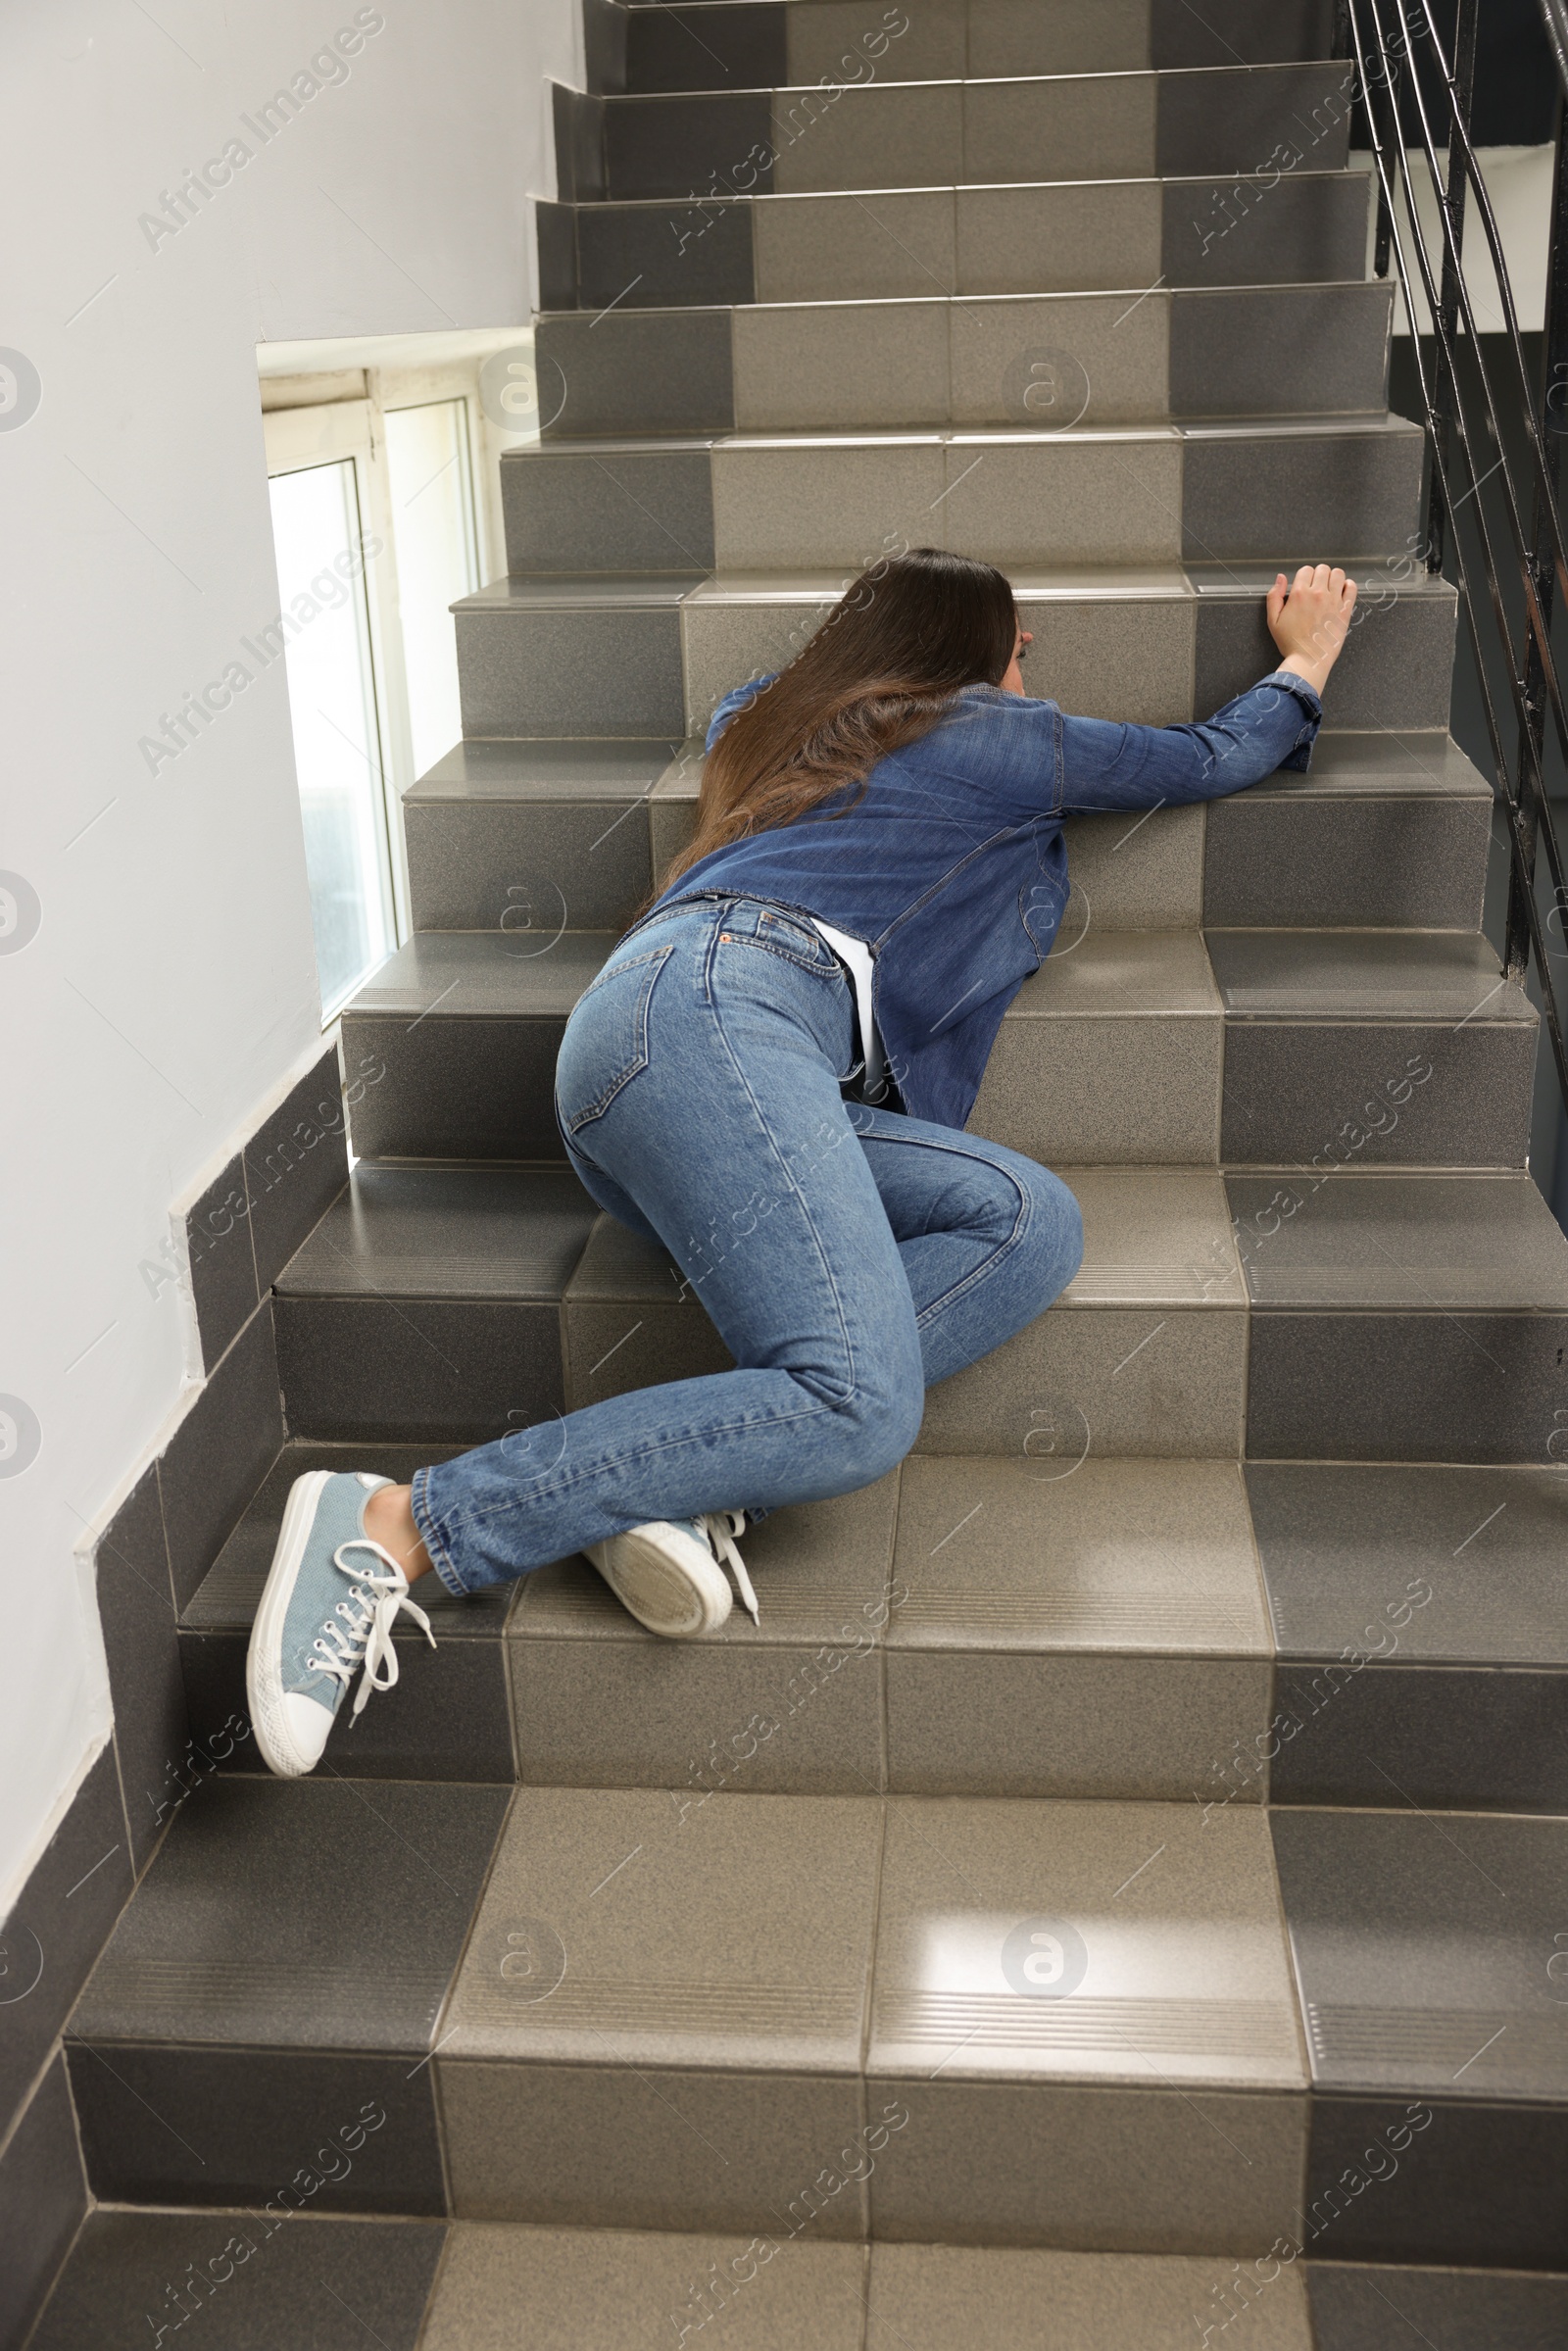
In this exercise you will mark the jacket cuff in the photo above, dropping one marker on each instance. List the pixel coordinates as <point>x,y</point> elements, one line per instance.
<point>1299,756</point>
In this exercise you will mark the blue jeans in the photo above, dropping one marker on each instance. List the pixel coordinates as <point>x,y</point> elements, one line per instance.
<point>848,1257</point>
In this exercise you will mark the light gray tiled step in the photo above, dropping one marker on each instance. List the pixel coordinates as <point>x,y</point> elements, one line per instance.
<point>1124,495</point>
<point>556,653</point>
<point>1111,1609</point>
<point>1131,357</point>
<point>450,1304</point>
<point>1047,232</point>
<point>1402,1317</point>
<point>717,46</point>
<point>978,132</point>
<point>695,1959</point>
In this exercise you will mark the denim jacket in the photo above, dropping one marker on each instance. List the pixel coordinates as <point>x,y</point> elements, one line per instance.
<point>951,864</point>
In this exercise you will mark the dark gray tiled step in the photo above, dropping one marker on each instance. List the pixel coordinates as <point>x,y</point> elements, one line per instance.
<point>1128,495</point>
<point>467,1025</point>
<point>448,1717</point>
<point>282,1961</point>
<point>1224,119</point>
<point>1039,234</point>
<point>1236,351</point>
<point>269,2275</point>
<point>1381,830</point>
<point>1401,1047</point>
<point>1464,2310</point>
<point>1402,1317</point>
<point>1247,490</point>
<point>427,1305</point>
<point>1422,1631</point>
<point>1422,1944</point>
<point>508,832</point>
<point>1395,672</point>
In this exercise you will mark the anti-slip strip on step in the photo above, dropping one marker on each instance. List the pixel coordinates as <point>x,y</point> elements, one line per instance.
<point>1123,2027</point>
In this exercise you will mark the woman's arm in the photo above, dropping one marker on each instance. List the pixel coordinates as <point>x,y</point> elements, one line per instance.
<point>1272,725</point>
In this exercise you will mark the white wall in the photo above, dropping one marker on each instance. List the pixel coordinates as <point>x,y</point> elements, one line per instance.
<point>1518,180</point>
<point>170,987</point>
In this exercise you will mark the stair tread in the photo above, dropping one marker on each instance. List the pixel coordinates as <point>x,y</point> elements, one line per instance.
<point>560,768</point>
<point>1345,1546</point>
<point>1411,1243</point>
<point>603,452</point>
<point>1374,290</point>
<point>1335,975</point>
<point>459,2287</point>
<point>824,1934</point>
<point>468,1232</point>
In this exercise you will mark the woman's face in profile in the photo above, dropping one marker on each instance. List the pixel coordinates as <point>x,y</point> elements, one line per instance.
<point>1011,681</point>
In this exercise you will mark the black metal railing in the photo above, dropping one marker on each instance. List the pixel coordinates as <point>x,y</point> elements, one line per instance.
<point>1415,87</point>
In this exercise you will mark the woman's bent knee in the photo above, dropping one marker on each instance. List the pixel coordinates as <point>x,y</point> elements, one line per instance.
<point>1055,1235</point>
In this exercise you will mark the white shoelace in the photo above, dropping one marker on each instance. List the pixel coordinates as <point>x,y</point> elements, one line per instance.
<point>370,1611</point>
<point>721,1528</point>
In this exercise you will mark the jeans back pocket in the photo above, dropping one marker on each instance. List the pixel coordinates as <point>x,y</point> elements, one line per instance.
<point>606,1044</point>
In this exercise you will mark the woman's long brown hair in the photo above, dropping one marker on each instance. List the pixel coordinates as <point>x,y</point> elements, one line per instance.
<point>877,675</point>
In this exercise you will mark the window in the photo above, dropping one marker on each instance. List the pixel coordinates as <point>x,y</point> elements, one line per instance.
<point>337,738</point>
<point>437,559</point>
<point>378,529</point>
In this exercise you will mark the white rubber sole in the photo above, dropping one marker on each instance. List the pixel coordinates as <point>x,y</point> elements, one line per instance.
<point>666,1579</point>
<point>263,1679</point>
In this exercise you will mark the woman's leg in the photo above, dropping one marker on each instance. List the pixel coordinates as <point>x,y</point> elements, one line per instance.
<point>987,1238</point>
<point>700,1079</point>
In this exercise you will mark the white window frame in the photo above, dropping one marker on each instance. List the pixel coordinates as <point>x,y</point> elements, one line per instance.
<point>325,434</point>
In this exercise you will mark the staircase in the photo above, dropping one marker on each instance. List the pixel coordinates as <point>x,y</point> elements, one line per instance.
<point>1117,1896</point>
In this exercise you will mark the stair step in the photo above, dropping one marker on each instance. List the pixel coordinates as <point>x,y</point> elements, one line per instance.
<point>450,1304</point>
<point>1113,1610</point>
<point>645,2011</point>
<point>979,132</point>
<point>510,832</point>
<point>1122,358</point>
<point>1127,1047</point>
<point>1060,234</point>
<point>1402,1317</point>
<point>827,2296</point>
<point>1132,495</point>
<point>1383,831</point>
<point>653,654</point>
<point>763,42</point>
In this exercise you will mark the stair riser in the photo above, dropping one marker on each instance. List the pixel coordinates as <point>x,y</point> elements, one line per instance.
<point>463,1372</point>
<point>1048,234</point>
<point>802,367</point>
<point>1155,658</point>
<point>1109,127</point>
<point>1298,861</point>
<point>1050,500</point>
<point>1405,1387</point>
<point>622,1713</point>
<point>775,42</point>
<point>1075,1090</point>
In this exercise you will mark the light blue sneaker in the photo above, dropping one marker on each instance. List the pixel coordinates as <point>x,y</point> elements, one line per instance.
<point>671,1573</point>
<point>330,1600</point>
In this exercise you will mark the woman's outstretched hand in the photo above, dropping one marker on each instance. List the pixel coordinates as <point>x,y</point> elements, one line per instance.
<point>1308,620</point>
